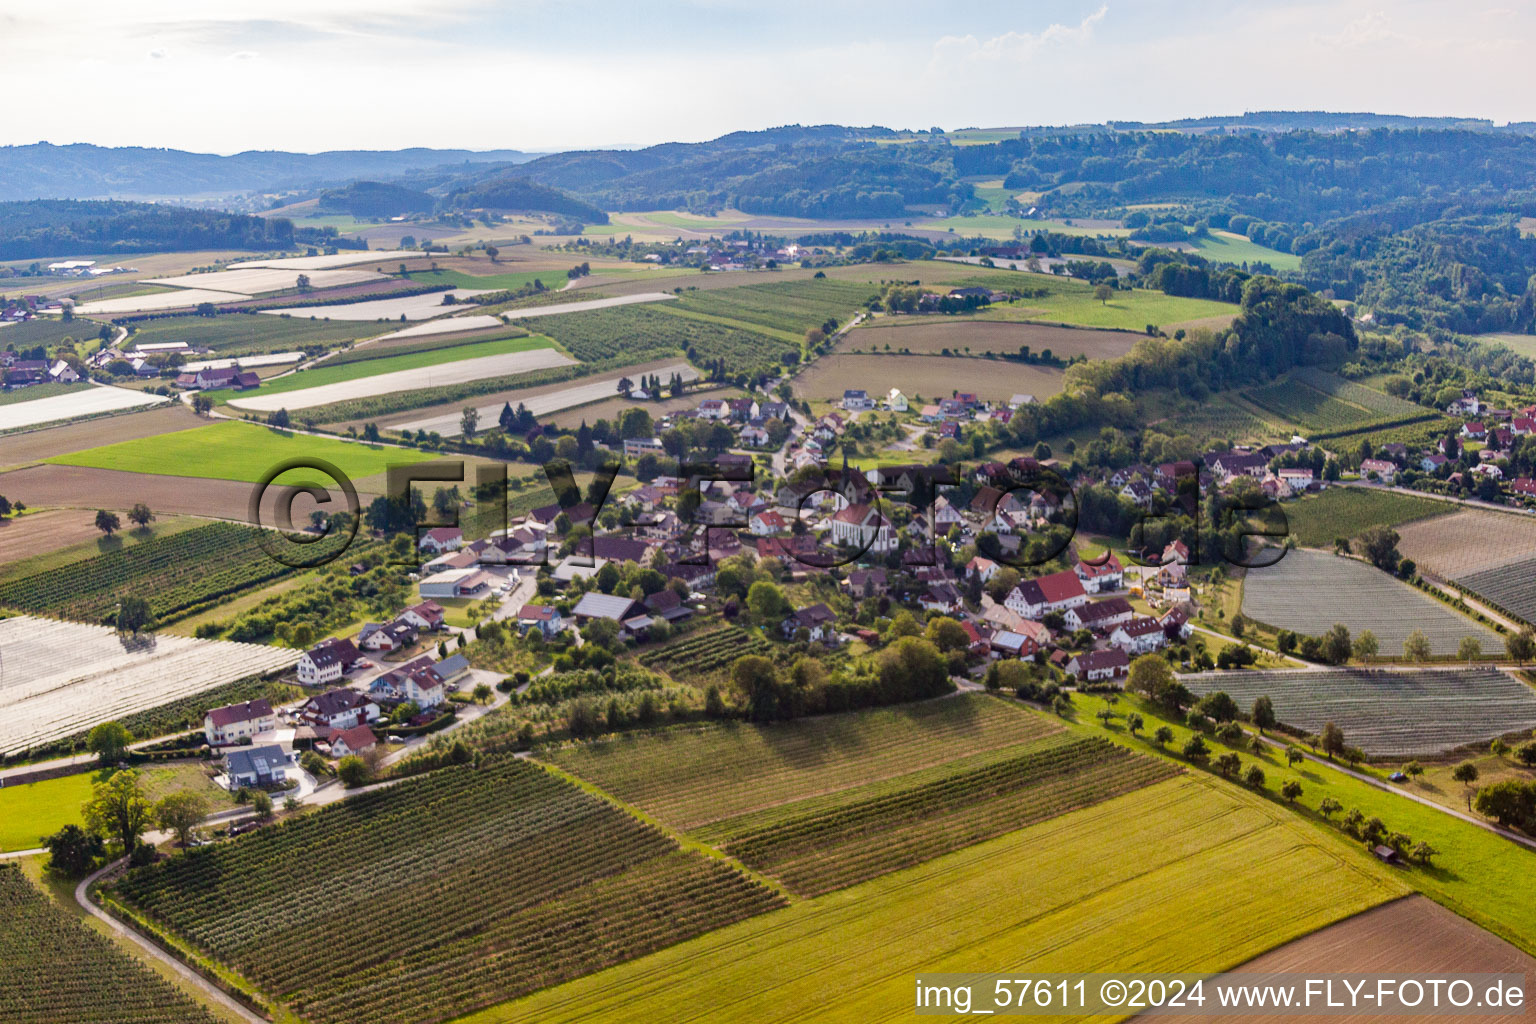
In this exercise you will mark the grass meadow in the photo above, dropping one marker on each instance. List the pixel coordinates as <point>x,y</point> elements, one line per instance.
<point>234,450</point>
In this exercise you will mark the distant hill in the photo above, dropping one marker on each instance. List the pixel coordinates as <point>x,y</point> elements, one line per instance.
<point>56,227</point>
<point>513,193</point>
<point>375,199</point>
<point>1323,121</point>
<point>46,171</point>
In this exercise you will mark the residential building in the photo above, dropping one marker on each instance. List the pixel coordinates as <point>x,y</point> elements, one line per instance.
<point>237,723</point>
<point>1139,636</point>
<point>857,400</point>
<point>1107,575</point>
<point>256,767</point>
<point>1100,616</point>
<point>356,740</point>
<point>543,617</point>
<point>1099,666</point>
<point>1053,593</point>
<point>441,539</point>
<point>327,662</point>
<point>339,709</point>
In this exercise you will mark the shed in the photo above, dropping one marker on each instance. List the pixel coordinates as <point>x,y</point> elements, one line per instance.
<point>1387,855</point>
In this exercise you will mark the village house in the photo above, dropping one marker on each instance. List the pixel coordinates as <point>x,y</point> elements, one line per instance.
<point>327,661</point>
<point>386,636</point>
<point>1139,636</point>
<point>428,615</point>
<point>857,400</point>
<point>441,539</point>
<point>862,583</point>
<point>817,620</point>
<point>339,709</point>
<point>237,723</point>
<point>349,742</point>
<point>543,617</point>
<point>1381,469</point>
<point>1008,644</point>
<point>214,378</point>
<point>256,768</point>
<point>1098,666</point>
<point>1099,616</point>
<point>896,401</point>
<point>1053,593</point>
<point>981,568</point>
<point>1108,575</point>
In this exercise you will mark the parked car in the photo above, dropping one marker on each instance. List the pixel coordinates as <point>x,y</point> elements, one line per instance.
<point>1397,777</point>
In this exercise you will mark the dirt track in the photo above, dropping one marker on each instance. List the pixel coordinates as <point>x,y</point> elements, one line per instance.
<point>1411,936</point>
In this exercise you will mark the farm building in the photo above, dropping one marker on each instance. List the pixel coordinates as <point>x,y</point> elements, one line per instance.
<point>457,583</point>
<point>605,606</point>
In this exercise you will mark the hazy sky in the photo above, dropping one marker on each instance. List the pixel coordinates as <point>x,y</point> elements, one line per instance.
<point>225,75</point>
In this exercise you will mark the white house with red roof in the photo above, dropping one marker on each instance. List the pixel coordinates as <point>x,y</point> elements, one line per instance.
<point>441,539</point>
<point>1053,593</point>
<point>767,523</point>
<point>428,615</point>
<point>237,723</point>
<point>1107,575</point>
<point>355,740</point>
<point>545,618</point>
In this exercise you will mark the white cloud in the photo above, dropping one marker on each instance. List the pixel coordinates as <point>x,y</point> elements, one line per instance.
<point>1012,47</point>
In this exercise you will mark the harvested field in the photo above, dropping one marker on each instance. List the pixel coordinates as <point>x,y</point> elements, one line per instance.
<point>931,335</point>
<point>1388,712</point>
<point>37,533</point>
<point>63,677</point>
<point>1413,936</point>
<point>88,488</point>
<point>408,307</point>
<point>447,325</point>
<point>549,400</point>
<point>255,281</point>
<point>928,378</point>
<point>345,258</point>
<point>688,777</point>
<point>1075,901</point>
<point>153,302</point>
<point>1469,541</point>
<point>1308,591</point>
<point>22,448</point>
<point>457,371</point>
<point>609,409</point>
<point>83,400</point>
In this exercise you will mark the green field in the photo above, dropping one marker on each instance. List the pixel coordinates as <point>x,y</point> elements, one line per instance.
<point>47,332</point>
<point>830,842</point>
<point>1325,405</point>
<point>1072,302</point>
<point>48,389</point>
<point>442,894</point>
<point>55,968</point>
<point>1318,519</point>
<point>353,370</point>
<point>1520,344</point>
<point>30,812</point>
<point>1478,874</point>
<point>1183,876</point>
<point>1226,247</point>
<point>510,281</point>
<point>789,306</point>
<point>234,450</point>
<point>252,333</point>
<point>639,333</point>
<point>1001,226</point>
<point>688,777</point>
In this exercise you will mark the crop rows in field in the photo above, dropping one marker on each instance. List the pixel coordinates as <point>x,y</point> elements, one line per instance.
<point>441,894</point>
<point>1218,419</point>
<point>251,333</point>
<point>1369,399</point>
<point>1511,588</point>
<point>1308,591</point>
<point>1389,712</point>
<point>61,678</point>
<point>1472,540</point>
<point>55,969</point>
<point>705,653</point>
<point>828,843</point>
<point>689,777</point>
<point>174,573</point>
<point>1317,520</point>
<point>638,333</point>
<point>792,306</point>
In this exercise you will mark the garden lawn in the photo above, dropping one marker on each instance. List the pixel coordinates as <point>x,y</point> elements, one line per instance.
<point>235,450</point>
<point>323,374</point>
<point>1479,875</point>
<point>31,811</point>
<point>1184,875</point>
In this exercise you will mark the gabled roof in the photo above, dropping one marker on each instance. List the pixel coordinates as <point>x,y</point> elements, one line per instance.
<point>1141,627</point>
<point>537,613</point>
<point>1100,611</point>
<point>335,702</point>
<point>359,737</point>
<point>604,606</point>
<point>334,651</point>
<point>234,714</point>
<point>1111,658</point>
